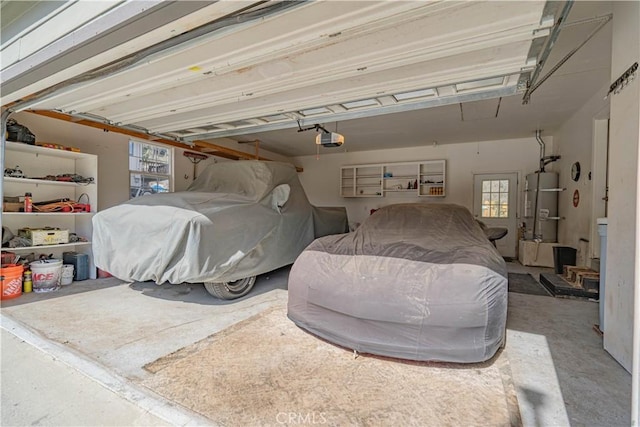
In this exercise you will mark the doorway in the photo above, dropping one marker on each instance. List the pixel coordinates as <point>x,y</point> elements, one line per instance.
<point>494,203</point>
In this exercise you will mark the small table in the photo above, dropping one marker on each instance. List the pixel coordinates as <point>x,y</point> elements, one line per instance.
<point>495,233</point>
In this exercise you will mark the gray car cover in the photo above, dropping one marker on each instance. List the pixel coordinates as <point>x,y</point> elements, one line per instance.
<point>414,281</point>
<point>237,219</point>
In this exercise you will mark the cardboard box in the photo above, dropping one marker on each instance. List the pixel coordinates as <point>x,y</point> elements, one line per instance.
<point>12,207</point>
<point>45,236</point>
<point>591,283</point>
<point>584,275</point>
<point>572,272</point>
<point>8,257</point>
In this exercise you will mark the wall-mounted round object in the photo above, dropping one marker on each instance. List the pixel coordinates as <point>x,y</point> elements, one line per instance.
<point>575,171</point>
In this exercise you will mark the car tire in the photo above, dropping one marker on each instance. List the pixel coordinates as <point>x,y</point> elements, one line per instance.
<point>230,290</point>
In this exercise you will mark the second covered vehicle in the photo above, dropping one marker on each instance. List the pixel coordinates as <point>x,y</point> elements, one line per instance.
<point>236,220</point>
<point>417,281</point>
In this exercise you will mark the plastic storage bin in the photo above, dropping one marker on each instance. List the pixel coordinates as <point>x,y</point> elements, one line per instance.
<point>67,274</point>
<point>46,275</point>
<point>563,255</point>
<point>80,264</point>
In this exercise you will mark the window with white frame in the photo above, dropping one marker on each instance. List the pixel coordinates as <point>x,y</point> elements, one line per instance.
<point>495,198</point>
<point>149,168</point>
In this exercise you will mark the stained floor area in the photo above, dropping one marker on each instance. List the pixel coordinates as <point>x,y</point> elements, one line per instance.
<point>109,331</point>
<point>277,369</point>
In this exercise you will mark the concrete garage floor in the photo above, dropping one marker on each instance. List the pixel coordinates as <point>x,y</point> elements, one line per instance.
<point>76,356</point>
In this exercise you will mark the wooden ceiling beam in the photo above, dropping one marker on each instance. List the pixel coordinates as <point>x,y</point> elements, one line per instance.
<point>214,152</point>
<point>201,146</point>
<point>107,127</point>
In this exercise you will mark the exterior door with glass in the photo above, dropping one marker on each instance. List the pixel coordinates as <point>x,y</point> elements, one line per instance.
<point>494,203</point>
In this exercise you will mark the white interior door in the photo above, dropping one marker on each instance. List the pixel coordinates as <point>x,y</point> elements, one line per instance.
<point>494,203</point>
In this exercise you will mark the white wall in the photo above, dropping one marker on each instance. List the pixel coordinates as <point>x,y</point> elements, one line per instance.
<point>112,150</point>
<point>574,143</point>
<point>624,139</point>
<point>321,177</point>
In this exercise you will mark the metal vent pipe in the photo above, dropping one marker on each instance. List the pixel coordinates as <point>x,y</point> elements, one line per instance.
<point>542,148</point>
<point>537,235</point>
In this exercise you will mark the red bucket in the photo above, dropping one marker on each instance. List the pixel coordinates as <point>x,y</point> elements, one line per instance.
<point>11,279</point>
<point>103,274</point>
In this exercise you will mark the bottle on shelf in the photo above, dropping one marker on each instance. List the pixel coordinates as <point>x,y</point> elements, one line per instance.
<point>28,204</point>
<point>27,284</point>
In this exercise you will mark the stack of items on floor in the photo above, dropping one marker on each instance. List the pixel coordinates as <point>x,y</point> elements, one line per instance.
<point>24,274</point>
<point>574,281</point>
<point>582,277</point>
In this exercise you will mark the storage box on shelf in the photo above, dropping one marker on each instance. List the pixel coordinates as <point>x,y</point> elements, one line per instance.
<point>39,162</point>
<point>426,179</point>
<point>44,236</point>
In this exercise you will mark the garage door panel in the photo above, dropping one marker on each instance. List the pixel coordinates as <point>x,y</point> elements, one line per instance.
<point>314,55</point>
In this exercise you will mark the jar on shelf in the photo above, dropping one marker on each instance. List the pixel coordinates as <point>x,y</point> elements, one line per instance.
<point>28,203</point>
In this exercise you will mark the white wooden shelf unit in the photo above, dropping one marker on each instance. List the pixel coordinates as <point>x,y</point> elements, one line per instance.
<point>35,161</point>
<point>425,179</point>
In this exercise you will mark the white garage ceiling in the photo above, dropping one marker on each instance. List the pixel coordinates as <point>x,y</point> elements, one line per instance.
<point>439,71</point>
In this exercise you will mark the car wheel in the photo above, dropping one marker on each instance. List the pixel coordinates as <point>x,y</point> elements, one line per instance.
<point>230,290</point>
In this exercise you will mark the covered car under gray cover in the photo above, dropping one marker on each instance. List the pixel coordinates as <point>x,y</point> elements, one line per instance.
<point>236,220</point>
<point>414,281</point>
